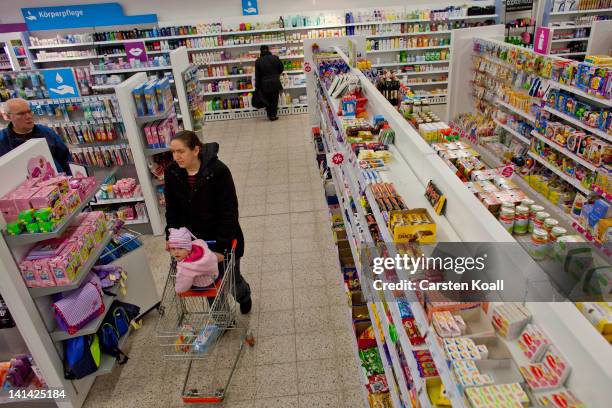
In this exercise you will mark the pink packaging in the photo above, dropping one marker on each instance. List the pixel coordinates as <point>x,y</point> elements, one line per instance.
<point>147,130</point>
<point>65,266</point>
<point>8,209</point>
<point>45,197</point>
<point>163,133</point>
<point>29,274</point>
<point>60,181</point>
<point>71,200</point>
<point>44,273</point>
<point>22,198</point>
<point>154,137</point>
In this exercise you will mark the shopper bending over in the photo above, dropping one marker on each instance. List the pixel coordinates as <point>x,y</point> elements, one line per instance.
<point>200,195</point>
<point>22,127</point>
<point>268,69</point>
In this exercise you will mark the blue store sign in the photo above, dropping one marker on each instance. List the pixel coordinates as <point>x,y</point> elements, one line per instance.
<point>61,83</point>
<point>249,8</point>
<point>78,16</point>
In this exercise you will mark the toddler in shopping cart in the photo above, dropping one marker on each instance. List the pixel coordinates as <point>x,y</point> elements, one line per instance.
<point>196,265</point>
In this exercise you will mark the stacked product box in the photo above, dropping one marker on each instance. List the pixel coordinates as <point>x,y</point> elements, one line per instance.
<point>58,261</point>
<point>160,132</point>
<point>153,97</point>
<point>38,206</point>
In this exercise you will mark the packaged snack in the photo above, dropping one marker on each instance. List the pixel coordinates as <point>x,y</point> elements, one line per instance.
<point>533,342</point>
<point>561,398</point>
<point>539,377</point>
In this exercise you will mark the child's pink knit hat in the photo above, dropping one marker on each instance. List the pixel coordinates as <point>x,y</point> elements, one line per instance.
<point>180,238</point>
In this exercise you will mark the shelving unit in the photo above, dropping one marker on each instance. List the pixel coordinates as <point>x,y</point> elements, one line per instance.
<point>578,123</point>
<point>513,132</point>
<point>31,307</point>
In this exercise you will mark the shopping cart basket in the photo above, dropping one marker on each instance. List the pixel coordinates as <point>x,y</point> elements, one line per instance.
<point>202,326</point>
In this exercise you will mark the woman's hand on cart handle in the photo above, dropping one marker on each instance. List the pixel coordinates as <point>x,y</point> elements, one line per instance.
<point>220,257</point>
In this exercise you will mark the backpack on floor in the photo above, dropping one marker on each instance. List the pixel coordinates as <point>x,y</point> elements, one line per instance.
<point>109,342</point>
<point>81,356</point>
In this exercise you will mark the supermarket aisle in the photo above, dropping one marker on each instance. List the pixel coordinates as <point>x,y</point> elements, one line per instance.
<point>303,356</point>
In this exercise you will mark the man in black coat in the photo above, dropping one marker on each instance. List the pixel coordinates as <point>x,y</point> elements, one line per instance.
<point>206,203</point>
<point>268,69</point>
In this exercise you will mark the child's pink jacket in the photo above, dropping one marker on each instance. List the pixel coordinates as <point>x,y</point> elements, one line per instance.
<point>199,269</point>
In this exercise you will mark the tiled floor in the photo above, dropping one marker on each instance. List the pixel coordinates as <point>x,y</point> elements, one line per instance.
<point>303,356</point>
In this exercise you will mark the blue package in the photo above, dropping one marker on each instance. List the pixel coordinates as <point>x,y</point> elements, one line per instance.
<point>150,98</point>
<point>139,100</point>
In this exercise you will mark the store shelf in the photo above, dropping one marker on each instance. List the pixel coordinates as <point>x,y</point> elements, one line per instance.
<point>141,120</point>
<point>573,12</point>
<point>396,64</point>
<point>244,60</point>
<point>228,92</point>
<point>294,71</point>
<point>225,77</point>
<point>265,30</point>
<point>21,56</point>
<point>569,27</point>
<point>83,271</point>
<point>117,201</point>
<point>564,151</point>
<point>22,239</point>
<point>516,110</point>
<point>136,221</point>
<point>576,91</point>
<point>566,54</point>
<point>220,47</point>
<point>513,132</point>
<point>154,52</point>
<point>149,39</point>
<point>51,46</point>
<point>387,35</point>
<point>87,57</point>
<point>90,328</point>
<point>574,121</point>
<point>295,87</point>
<point>299,105</point>
<point>441,71</point>
<point>437,47</point>
<point>426,83</point>
<point>560,40</point>
<point>159,150</point>
<point>103,87</point>
<point>126,70</point>
<point>574,182</point>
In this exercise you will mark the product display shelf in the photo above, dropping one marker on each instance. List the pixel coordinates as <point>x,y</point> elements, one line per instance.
<point>574,182</point>
<point>59,335</point>
<point>578,92</point>
<point>397,63</point>
<point>388,369</point>
<point>87,57</point>
<point>223,46</point>
<point>426,83</point>
<point>23,239</point>
<point>437,47</point>
<point>528,116</point>
<point>439,71</point>
<point>576,122</point>
<point>404,185</point>
<point>564,151</point>
<point>130,70</point>
<point>83,270</point>
<point>561,40</point>
<point>100,201</point>
<point>213,78</point>
<point>513,132</point>
<point>136,221</point>
<point>588,11</point>
<point>234,91</point>
<point>567,25</point>
<point>567,54</point>
<point>387,35</point>
<point>140,151</point>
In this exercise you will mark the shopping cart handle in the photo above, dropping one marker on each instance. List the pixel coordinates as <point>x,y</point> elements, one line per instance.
<point>234,244</point>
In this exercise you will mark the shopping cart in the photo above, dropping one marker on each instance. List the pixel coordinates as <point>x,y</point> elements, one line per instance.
<point>202,326</point>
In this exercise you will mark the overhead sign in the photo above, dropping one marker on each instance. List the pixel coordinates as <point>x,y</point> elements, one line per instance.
<point>78,16</point>
<point>136,51</point>
<point>519,5</point>
<point>249,8</point>
<point>61,83</point>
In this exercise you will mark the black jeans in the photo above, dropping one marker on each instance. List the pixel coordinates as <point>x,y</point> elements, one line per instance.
<point>271,103</point>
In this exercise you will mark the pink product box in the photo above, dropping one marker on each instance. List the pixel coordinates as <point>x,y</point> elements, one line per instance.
<point>60,181</point>
<point>71,200</point>
<point>45,197</point>
<point>37,274</point>
<point>164,132</point>
<point>147,130</point>
<point>22,198</point>
<point>155,134</point>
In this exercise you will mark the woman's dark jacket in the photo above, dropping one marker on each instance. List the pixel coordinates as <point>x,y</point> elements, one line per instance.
<point>268,68</point>
<point>210,210</point>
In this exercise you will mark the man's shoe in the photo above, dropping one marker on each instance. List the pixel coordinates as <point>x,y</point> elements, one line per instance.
<point>273,118</point>
<point>245,307</point>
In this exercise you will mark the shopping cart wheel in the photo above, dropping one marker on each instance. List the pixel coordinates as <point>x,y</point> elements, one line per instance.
<point>249,340</point>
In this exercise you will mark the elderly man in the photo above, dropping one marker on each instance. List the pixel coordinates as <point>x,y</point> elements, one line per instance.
<point>22,128</point>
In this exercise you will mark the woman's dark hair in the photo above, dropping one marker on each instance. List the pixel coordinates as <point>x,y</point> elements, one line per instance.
<point>189,139</point>
<point>264,50</point>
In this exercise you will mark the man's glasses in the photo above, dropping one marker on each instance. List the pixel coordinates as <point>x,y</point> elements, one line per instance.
<point>22,114</point>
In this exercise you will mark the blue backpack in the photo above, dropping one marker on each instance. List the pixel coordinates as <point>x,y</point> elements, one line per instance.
<point>116,325</point>
<point>81,356</point>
